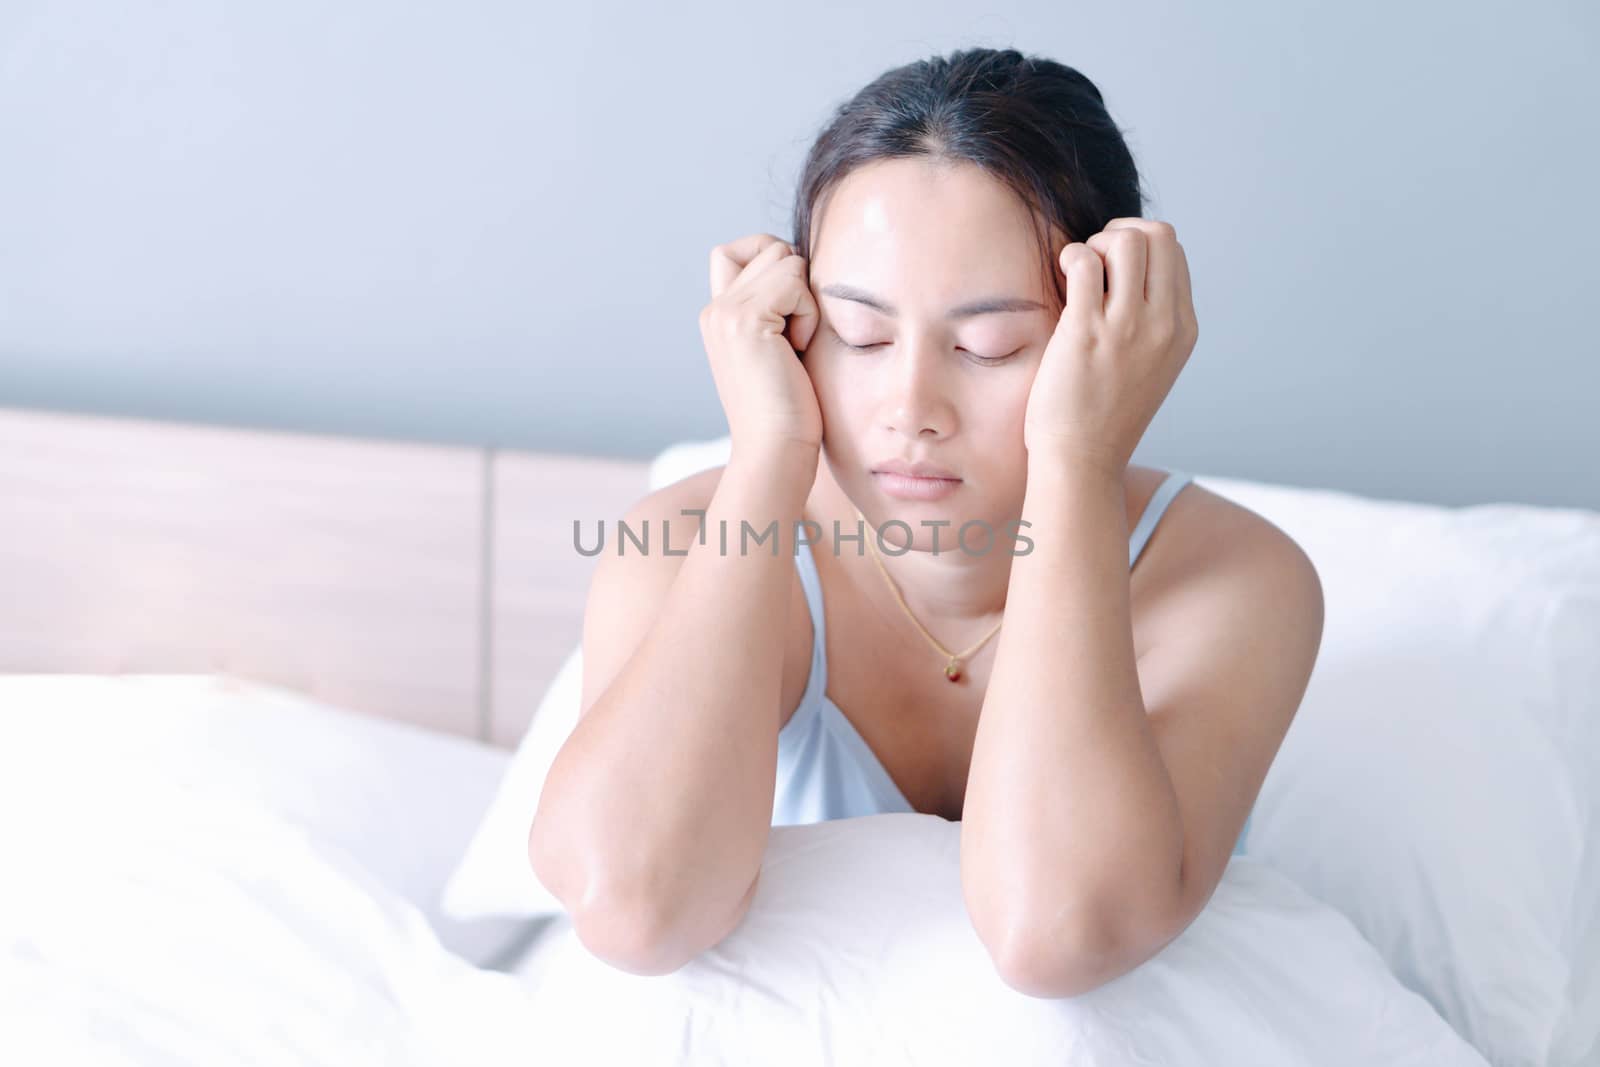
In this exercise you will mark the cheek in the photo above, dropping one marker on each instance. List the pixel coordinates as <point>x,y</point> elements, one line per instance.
<point>840,392</point>
<point>1019,394</point>
<point>1006,399</point>
<point>1002,416</point>
<point>836,400</point>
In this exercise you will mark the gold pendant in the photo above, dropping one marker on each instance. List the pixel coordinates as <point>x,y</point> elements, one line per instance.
<point>952,670</point>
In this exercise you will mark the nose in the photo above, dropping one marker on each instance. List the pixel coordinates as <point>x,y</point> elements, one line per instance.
<point>917,399</point>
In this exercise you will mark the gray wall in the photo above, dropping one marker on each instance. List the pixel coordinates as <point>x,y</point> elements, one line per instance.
<point>488,222</point>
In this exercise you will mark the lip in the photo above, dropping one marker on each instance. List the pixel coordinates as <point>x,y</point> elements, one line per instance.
<point>914,470</point>
<point>911,487</point>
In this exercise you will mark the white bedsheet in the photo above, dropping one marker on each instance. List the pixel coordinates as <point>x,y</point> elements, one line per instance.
<point>202,932</point>
<point>399,800</point>
<point>184,928</point>
<point>154,917</point>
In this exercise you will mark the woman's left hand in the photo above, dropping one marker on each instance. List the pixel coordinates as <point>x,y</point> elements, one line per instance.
<point>1126,332</point>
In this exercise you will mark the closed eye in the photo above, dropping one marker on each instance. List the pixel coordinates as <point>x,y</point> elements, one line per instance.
<point>980,359</point>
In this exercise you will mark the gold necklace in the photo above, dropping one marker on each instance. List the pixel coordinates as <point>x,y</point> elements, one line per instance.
<point>952,666</point>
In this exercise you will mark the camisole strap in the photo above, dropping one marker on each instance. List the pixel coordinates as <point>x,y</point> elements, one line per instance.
<point>1174,481</point>
<point>817,683</point>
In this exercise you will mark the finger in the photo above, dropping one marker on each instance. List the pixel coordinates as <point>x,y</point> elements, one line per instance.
<point>804,315</point>
<point>723,270</point>
<point>784,290</point>
<point>1085,286</point>
<point>758,265</point>
<point>744,249</point>
<point>727,260</point>
<point>1185,286</point>
<point>1162,285</point>
<point>1125,254</point>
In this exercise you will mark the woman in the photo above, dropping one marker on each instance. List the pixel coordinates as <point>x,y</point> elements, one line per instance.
<point>984,328</point>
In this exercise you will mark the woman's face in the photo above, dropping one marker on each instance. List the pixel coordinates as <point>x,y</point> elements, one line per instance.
<point>923,240</point>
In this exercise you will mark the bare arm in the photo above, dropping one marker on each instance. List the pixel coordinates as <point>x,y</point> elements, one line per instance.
<point>656,812</point>
<point>1067,798</point>
<point>1107,789</point>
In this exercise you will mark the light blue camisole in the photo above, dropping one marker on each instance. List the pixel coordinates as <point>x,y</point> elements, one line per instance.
<point>826,770</point>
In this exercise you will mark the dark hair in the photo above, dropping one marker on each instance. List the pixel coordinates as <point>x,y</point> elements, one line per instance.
<point>1037,125</point>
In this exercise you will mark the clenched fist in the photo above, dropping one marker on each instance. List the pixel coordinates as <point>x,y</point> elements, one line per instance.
<point>1126,331</point>
<point>760,299</point>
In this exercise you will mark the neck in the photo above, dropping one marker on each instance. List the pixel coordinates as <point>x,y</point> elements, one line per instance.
<point>957,594</point>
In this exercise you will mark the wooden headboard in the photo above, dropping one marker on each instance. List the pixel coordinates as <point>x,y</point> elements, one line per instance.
<point>432,584</point>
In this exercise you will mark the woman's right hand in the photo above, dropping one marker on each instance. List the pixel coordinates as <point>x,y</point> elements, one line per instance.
<point>760,298</point>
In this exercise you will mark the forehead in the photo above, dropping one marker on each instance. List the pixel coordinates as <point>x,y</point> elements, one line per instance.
<point>935,230</point>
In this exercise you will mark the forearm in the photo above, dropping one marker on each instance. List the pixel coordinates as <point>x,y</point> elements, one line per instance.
<point>662,796</point>
<point>1071,825</point>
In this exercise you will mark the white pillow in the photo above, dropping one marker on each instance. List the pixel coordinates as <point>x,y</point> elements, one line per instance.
<point>1441,783</point>
<point>1440,786</point>
<point>857,949</point>
<point>494,876</point>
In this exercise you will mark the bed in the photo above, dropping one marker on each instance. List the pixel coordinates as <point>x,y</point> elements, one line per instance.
<point>275,708</point>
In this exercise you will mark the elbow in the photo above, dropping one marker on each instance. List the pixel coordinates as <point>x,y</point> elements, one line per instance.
<point>642,937</point>
<point>1058,945</point>
<point>545,864</point>
<point>626,931</point>
<point>630,929</point>
<point>631,937</point>
<point>1052,977</point>
<point>1054,963</point>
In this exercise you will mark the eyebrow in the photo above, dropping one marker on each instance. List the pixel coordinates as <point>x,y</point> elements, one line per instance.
<point>986,306</point>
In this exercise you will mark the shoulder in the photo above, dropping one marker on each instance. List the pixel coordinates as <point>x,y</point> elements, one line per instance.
<point>691,492</point>
<point>1201,527</point>
<point>1206,544</point>
<point>627,588</point>
<point>673,513</point>
<point>668,518</point>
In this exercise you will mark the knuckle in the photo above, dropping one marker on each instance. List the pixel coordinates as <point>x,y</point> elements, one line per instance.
<point>716,317</point>
<point>731,321</point>
<point>1078,331</point>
